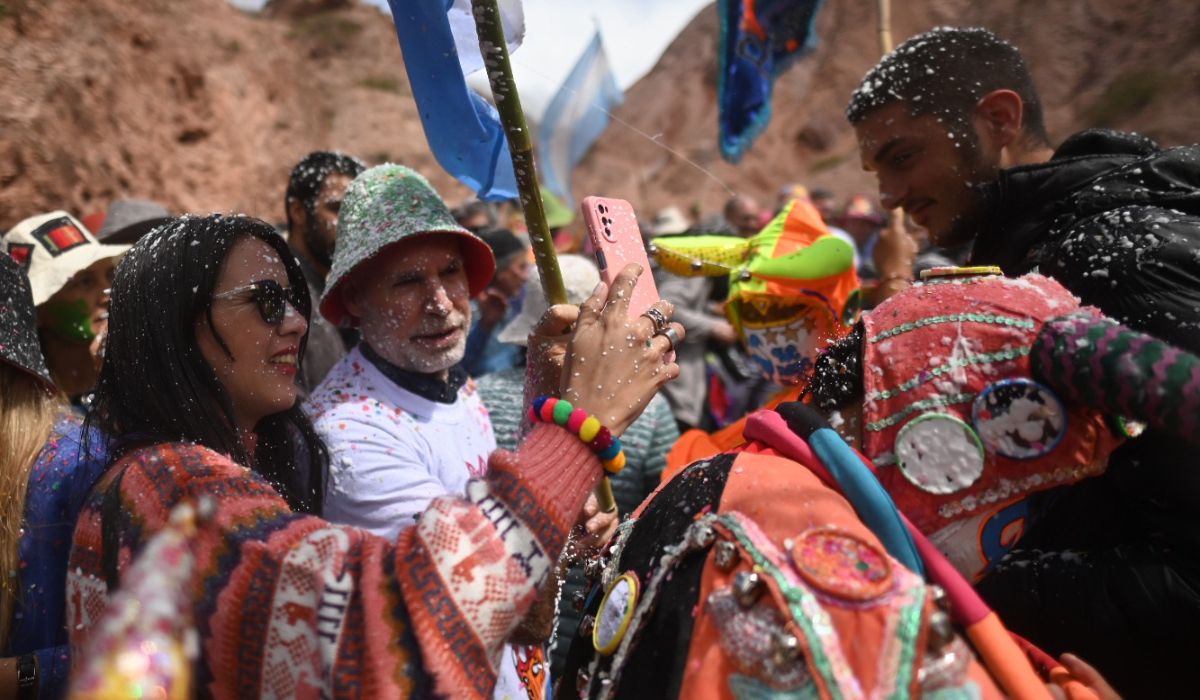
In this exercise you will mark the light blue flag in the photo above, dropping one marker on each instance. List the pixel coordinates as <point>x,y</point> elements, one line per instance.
<point>463,130</point>
<point>576,117</point>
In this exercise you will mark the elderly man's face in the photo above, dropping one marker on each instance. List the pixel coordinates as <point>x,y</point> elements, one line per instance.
<point>413,303</point>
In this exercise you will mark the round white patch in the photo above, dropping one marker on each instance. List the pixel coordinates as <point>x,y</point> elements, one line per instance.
<point>939,453</point>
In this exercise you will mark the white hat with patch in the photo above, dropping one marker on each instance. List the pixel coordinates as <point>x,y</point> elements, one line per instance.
<point>52,248</point>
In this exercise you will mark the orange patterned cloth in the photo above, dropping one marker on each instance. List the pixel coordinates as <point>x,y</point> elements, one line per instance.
<point>289,605</point>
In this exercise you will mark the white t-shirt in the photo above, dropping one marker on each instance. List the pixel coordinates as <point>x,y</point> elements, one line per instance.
<point>391,452</point>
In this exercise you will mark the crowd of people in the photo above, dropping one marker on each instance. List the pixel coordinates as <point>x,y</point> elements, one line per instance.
<point>937,448</point>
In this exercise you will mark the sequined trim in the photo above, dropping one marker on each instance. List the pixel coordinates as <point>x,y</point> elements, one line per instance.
<point>609,574</point>
<point>952,364</point>
<point>922,405</point>
<point>885,459</point>
<point>747,688</point>
<point>1008,488</point>
<point>902,643</point>
<point>823,647</point>
<point>695,538</point>
<point>995,319</point>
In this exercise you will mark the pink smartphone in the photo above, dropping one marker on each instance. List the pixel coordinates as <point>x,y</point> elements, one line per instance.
<point>615,236</point>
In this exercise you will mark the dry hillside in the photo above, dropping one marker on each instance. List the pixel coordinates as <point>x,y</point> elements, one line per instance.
<point>193,102</point>
<point>1120,63</point>
<point>204,107</point>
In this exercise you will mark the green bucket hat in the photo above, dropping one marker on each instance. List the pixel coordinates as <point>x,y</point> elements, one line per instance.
<point>385,205</point>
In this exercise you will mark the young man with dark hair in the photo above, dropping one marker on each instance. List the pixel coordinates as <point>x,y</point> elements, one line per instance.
<point>314,197</point>
<point>952,126</point>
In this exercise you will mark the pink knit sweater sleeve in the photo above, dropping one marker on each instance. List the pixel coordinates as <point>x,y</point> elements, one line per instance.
<point>289,605</point>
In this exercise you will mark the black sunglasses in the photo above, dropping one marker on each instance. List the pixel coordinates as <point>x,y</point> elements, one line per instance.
<point>272,299</point>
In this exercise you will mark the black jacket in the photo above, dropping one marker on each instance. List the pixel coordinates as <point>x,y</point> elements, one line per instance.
<point>1116,220</point>
<point>1113,218</point>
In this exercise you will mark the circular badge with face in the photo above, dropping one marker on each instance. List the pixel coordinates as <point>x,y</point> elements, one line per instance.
<point>939,453</point>
<point>1019,418</point>
<point>842,564</point>
<point>616,610</point>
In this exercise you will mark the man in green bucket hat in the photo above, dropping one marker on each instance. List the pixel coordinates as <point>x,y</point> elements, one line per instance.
<point>403,423</point>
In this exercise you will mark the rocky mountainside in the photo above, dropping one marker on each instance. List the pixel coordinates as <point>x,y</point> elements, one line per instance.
<point>205,108</point>
<point>1118,63</point>
<point>193,102</point>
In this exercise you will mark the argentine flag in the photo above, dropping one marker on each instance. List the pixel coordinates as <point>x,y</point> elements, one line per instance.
<point>575,118</point>
<point>437,38</point>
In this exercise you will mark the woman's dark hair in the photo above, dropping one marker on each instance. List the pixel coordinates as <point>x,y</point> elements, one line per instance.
<point>155,385</point>
<point>837,377</point>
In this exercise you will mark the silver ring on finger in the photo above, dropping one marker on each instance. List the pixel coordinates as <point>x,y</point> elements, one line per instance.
<point>671,335</point>
<point>658,318</point>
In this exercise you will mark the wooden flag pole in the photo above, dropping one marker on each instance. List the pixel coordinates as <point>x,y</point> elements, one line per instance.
<point>885,26</point>
<point>494,48</point>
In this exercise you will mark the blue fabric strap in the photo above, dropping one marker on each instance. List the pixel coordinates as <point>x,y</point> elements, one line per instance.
<point>463,130</point>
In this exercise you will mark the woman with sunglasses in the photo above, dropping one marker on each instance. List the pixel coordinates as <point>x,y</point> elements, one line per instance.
<point>207,328</point>
<point>44,478</point>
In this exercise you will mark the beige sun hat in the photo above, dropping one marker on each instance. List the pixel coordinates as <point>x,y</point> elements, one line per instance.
<point>580,277</point>
<point>670,221</point>
<point>52,248</point>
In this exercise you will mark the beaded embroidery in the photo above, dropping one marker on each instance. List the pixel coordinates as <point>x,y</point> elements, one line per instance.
<point>949,365</point>
<point>995,319</point>
<point>923,405</point>
<point>1009,488</point>
<point>841,564</point>
<point>746,688</point>
<point>749,638</point>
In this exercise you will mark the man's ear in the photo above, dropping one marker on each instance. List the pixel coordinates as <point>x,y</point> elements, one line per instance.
<point>1000,118</point>
<point>351,299</point>
<point>297,215</point>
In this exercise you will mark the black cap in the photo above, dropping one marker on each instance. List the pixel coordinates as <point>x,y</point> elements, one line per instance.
<point>130,219</point>
<point>504,244</point>
<point>19,344</point>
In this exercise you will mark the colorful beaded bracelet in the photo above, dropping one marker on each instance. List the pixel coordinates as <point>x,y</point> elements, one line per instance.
<point>547,409</point>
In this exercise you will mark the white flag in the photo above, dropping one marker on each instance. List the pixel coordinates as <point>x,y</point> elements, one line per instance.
<point>576,117</point>
<point>466,41</point>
